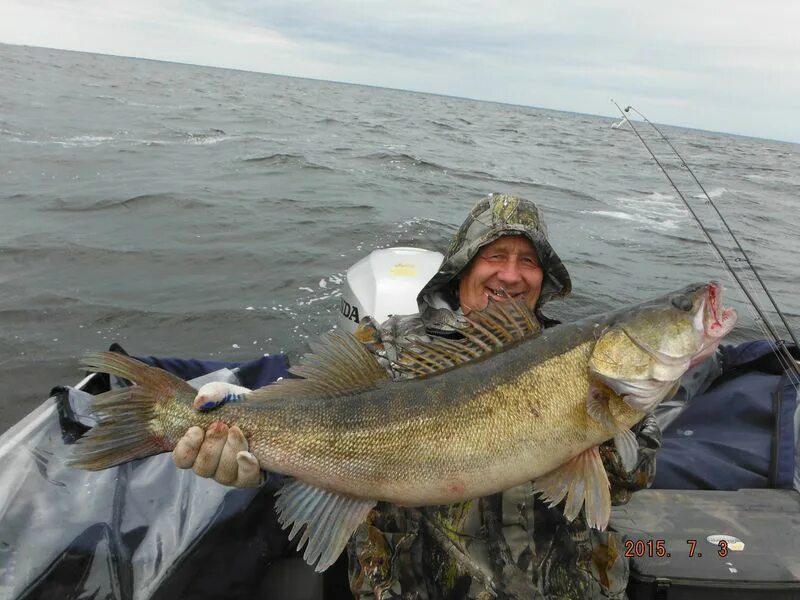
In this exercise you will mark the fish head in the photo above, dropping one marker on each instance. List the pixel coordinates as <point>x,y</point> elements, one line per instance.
<point>644,352</point>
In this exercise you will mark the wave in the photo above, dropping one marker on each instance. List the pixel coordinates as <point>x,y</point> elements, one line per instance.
<point>204,138</point>
<point>281,159</point>
<point>339,209</point>
<point>441,125</point>
<point>479,175</point>
<point>63,302</point>
<point>654,211</point>
<point>661,224</point>
<point>375,127</point>
<point>755,177</point>
<point>713,193</point>
<point>111,99</point>
<point>6,129</point>
<point>79,141</point>
<point>212,135</point>
<point>403,159</point>
<point>521,185</point>
<point>132,203</point>
<point>36,248</point>
<point>656,207</point>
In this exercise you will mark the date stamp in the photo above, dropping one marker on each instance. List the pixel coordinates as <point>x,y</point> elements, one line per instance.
<point>657,548</point>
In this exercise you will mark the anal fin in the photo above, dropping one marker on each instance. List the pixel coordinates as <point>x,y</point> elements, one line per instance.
<point>584,483</point>
<point>330,519</point>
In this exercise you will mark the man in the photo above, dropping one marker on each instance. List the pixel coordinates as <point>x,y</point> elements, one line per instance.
<point>507,545</point>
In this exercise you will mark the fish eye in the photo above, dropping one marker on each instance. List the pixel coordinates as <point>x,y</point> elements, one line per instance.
<point>682,303</point>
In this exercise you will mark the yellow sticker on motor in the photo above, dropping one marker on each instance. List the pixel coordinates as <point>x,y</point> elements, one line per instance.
<point>403,270</point>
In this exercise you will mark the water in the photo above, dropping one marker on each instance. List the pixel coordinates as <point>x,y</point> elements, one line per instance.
<point>193,211</point>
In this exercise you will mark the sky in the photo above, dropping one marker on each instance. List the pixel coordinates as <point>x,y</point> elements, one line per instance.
<point>720,65</point>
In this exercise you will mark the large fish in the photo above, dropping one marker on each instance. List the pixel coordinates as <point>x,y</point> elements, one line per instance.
<point>506,405</point>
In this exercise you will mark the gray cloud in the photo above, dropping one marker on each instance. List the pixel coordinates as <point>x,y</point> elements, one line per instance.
<point>724,65</point>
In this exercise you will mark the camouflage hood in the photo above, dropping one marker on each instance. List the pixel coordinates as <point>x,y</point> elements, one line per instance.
<point>494,216</point>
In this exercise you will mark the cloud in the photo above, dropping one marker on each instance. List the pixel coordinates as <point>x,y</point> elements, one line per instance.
<point>724,65</point>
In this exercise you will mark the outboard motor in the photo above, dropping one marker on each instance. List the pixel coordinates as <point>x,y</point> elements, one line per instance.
<point>385,283</point>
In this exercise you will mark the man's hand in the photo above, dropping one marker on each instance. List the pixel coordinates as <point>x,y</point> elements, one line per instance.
<point>624,483</point>
<point>220,452</point>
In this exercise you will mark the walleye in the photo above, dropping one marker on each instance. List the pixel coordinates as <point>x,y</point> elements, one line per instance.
<point>506,405</point>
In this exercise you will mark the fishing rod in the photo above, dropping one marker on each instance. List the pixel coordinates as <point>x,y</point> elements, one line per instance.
<point>788,359</point>
<point>724,222</point>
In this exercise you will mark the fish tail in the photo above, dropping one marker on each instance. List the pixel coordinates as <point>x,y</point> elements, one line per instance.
<point>132,422</point>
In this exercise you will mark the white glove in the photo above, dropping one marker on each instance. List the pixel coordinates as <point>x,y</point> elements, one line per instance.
<point>220,452</point>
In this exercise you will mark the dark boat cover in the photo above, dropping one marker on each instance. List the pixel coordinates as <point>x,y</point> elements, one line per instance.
<point>739,433</point>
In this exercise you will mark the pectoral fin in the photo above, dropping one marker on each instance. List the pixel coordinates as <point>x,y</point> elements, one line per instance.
<point>597,404</point>
<point>582,481</point>
<point>330,519</point>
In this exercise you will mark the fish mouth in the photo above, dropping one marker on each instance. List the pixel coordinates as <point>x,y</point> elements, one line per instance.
<point>713,321</point>
<point>718,321</point>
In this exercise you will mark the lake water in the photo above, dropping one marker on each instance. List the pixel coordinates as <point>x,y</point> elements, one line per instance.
<point>203,212</point>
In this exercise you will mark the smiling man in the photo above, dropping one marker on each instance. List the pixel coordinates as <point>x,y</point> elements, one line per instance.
<point>505,268</point>
<point>500,250</point>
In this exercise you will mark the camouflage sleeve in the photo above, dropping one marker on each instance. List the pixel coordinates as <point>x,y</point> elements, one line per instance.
<point>380,559</point>
<point>379,555</point>
<point>624,483</point>
<point>387,340</point>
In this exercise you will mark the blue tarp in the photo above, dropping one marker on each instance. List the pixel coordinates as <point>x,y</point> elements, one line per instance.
<point>739,433</point>
<point>252,374</point>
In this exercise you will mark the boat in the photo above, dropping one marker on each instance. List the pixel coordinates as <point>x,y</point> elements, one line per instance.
<point>722,517</point>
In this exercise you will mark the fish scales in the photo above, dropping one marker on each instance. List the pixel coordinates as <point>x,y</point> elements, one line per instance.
<point>483,426</point>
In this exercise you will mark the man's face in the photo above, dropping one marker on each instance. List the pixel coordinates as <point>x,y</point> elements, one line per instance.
<point>508,267</point>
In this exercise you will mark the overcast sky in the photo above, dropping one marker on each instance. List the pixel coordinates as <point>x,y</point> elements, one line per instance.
<point>722,65</point>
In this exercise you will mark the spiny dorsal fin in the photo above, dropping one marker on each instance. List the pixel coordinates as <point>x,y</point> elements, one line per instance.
<point>497,326</point>
<point>337,366</point>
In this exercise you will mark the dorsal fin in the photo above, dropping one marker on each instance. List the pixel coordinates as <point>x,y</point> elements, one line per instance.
<point>497,326</point>
<point>338,366</point>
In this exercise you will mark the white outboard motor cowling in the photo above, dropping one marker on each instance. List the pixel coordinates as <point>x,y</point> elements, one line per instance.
<point>385,283</point>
